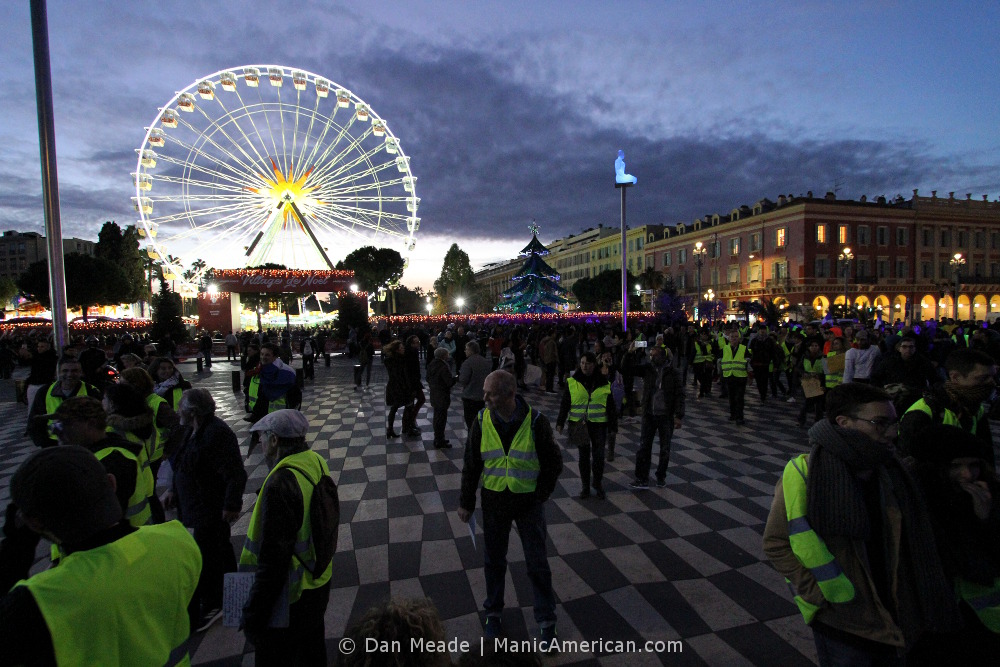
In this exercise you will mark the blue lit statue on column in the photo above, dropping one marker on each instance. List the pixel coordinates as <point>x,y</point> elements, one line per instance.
<point>620,175</point>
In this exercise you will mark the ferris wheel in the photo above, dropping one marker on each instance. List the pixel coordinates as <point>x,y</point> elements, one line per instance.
<point>265,163</point>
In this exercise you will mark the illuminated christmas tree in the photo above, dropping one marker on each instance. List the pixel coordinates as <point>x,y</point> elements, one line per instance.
<point>536,286</point>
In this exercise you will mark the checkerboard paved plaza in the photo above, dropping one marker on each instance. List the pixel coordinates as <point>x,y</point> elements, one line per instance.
<point>678,563</point>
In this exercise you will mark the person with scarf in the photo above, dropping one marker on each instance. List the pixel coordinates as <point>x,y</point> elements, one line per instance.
<point>168,383</point>
<point>850,532</point>
<point>957,403</point>
<point>271,386</point>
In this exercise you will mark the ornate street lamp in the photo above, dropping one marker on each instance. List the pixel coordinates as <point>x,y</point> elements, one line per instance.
<point>956,266</point>
<point>699,255</point>
<point>845,258</point>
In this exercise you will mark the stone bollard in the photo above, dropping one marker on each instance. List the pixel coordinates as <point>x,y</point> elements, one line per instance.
<point>200,362</point>
<point>299,378</point>
<point>237,384</point>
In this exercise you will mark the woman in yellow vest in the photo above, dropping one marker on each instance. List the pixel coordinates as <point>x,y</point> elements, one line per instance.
<point>590,408</point>
<point>119,595</point>
<point>963,498</point>
<point>168,381</point>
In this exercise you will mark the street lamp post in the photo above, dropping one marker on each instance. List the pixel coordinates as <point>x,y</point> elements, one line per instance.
<point>699,255</point>
<point>956,266</point>
<point>845,258</point>
<point>710,298</point>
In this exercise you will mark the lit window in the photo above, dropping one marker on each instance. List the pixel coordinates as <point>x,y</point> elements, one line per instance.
<point>779,238</point>
<point>820,233</point>
<point>843,234</point>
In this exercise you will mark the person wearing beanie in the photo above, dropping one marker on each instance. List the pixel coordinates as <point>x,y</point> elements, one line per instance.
<point>958,403</point>
<point>850,532</point>
<point>439,382</point>
<point>68,383</point>
<point>963,498</point>
<point>280,543</point>
<point>119,595</point>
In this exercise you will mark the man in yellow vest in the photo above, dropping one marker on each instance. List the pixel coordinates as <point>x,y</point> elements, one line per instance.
<point>119,595</point>
<point>705,353</point>
<point>69,382</point>
<point>592,414</point>
<point>280,549</point>
<point>733,367</point>
<point>511,449</point>
<point>849,531</point>
<point>958,403</point>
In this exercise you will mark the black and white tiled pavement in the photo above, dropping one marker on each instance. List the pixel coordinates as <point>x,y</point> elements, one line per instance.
<point>678,563</point>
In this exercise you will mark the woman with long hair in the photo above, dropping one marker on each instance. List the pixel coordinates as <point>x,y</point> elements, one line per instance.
<point>396,393</point>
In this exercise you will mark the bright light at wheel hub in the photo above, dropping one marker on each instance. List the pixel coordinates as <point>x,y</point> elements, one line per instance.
<point>285,189</point>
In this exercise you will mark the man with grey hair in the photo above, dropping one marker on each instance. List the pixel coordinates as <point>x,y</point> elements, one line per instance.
<point>471,376</point>
<point>209,480</point>
<point>440,381</point>
<point>511,449</point>
<point>281,548</point>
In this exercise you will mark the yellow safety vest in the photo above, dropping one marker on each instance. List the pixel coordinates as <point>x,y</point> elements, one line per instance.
<point>52,403</point>
<point>300,576</point>
<point>735,366</point>
<point>703,353</point>
<point>517,470</point>
<point>138,512</point>
<point>787,349</point>
<point>948,418</point>
<point>122,603</point>
<point>808,547</point>
<point>145,481</point>
<point>154,402</point>
<point>984,600</point>
<point>588,407</point>
<point>833,379</point>
<point>277,404</point>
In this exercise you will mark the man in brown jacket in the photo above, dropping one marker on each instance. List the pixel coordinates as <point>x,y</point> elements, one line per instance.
<point>849,530</point>
<point>548,354</point>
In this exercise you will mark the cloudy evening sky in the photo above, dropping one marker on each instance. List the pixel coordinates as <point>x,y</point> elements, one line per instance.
<point>515,110</point>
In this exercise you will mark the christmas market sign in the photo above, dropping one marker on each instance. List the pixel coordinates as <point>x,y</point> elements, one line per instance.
<point>281,280</point>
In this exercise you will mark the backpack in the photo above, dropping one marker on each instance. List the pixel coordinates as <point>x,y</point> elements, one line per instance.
<point>324,519</point>
<point>307,349</point>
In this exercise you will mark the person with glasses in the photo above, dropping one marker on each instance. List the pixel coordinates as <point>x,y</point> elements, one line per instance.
<point>849,530</point>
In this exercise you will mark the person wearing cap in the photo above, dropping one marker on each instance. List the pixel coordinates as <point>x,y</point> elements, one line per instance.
<point>82,422</point>
<point>69,383</point>
<point>208,485</point>
<point>119,595</point>
<point>279,543</point>
<point>440,380</point>
<point>512,452</point>
<point>849,530</point>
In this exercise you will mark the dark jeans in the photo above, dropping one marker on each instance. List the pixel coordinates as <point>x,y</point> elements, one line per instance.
<point>303,642</point>
<point>411,410</point>
<point>550,375</point>
<point>231,353</point>
<point>816,405</point>
<point>592,455</point>
<point>470,409</point>
<point>496,536</point>
<point>440,421</point>
<point>776,383</point>
<point>840,649</point>
<point>208,358</point>
<point>736,389</point>
<point>703,373</point>
<point>365,368</point>
<point>761,377</point>
<point>309,366</point>
<point>217,558</point>
<point>653,425</point>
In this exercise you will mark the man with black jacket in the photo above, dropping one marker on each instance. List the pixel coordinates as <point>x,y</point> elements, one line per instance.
<point>209,480</point>
<point>662,412</point>
<point>411,368</point>
<point>511,437</point>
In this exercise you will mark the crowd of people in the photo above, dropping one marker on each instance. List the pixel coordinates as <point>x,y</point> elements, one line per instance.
<point>886,529</point>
